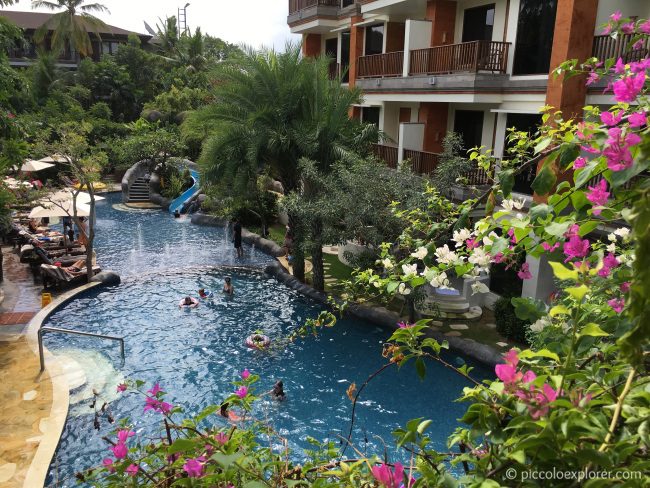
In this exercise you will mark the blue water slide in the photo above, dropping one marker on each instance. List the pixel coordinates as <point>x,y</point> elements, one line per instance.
<point>179,202</point>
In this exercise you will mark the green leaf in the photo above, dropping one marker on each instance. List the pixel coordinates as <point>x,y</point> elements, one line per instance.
<point>561,272</point>
<point>559,310</point>
<point>544,181</point>
<point>527,309</point>
<point>583,175</point>
<point>421,368</point>
<point>587,227</point>
<point>592,330</point>
<point>392,286</point>
<point>558,229</point>
<point>423,426</point>
<point>577,292</point>
<point>544,353</point>
<point>568,154</point>
<point>506,181</point>
<point>519,456</point>
<point>578,199</point>
<point>181,445</point>
<point>539,211</point>
<point>206,412</point>
<point>226,460</point>
<point>543,144</point>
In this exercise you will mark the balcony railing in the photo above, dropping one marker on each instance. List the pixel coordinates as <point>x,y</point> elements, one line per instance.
<point>388,154</point>
<point>422,162</point>
<point>297,5</point>
<point>472,57</point>
<point>378,65</point>
<point>606,47</point>
<point>477,177</point>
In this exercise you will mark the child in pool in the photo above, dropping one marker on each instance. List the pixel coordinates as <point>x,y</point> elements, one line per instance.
<point>204,294</point>
<point>228,289</point>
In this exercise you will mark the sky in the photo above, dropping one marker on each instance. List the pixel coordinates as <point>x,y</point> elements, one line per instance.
<point>253,22</point>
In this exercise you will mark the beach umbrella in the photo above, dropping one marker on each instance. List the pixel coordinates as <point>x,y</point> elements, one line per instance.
<point>62,209</point>
<point>54,158</point>
<point>14,184</point>
<point>32,165</point>
<point>63,195</point>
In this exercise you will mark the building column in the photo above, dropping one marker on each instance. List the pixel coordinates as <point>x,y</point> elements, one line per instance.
<point>311,45</point>
<point>575,22</point>
<point>356,48</point>
<point>434,116</point>
<point>442,14</point>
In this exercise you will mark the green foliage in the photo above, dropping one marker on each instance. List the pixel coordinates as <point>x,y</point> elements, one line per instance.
<point>508,324</point>
<point>148,143</point>
<point>453,162</point>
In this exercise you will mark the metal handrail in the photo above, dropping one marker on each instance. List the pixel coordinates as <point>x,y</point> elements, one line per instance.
<point>43,330</point>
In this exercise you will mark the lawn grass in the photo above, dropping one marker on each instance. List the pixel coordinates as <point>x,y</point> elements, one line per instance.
<point>276,232</point>
<point>336,269</point>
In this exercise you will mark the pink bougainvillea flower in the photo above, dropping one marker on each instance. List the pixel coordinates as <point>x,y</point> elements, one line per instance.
<point>645,27</point>
<point>157,406</point>
<point>638,45</point>
<point>405,325</point>
<point>573,230</point>
<point>242,392</point>
<point>108,464</point>
<point>598,195</point>
<point>548,248</point>
<point>124,434</point>
<point>528,377</point>
<point>245,374</point>
<point>193,468</point>
<point>628,28</point>
<point>579,163</point>
<point>627,89</point>
<point>611,119</point>
<point>582,266</point>
<point>221,438</point>
<point>625,287</point>
<point>511,357</point>
<point>119,450</point>
<point>121,387</point>
<point>507,373</point>
<point>132,470</point>
<point>576,248</point>
<point>155,390</point>
<point>617,304</point>
<point>640,66</point>
<point>498,258</point>
<point>539,408</point>
<point>592,78</point>
<point>513,237</point>
<point>590,149</point>
<point>638,119</point>
<point>616,16</point>
<point>387,477</point>
<point>524,272</point>
<point>471,244</point>
<point>610,261</point>
<point>617,151</point>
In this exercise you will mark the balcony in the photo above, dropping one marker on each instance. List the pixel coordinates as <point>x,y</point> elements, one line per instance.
<point>422,163</point>
<point>298,5</point>
<point>471,57</point>
<point>381,65</point>
<point>606,47</point>
<point>388,154</point>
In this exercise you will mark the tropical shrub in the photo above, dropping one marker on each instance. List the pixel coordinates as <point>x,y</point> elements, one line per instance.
<point>507,322</point>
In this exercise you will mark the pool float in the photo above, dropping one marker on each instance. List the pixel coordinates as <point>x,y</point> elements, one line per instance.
<point>208,294</point>
<point>258,341</point>
<point>194,304</point>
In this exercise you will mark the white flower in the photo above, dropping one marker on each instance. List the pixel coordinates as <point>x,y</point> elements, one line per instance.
<point>489,239</point>
<point>479,287</point>
<point>440,280</point>
<point>403,290</point>
<point>612,237</point>
<point>540,325</point>
<point>445,256</point>
<point>377,284</point>
<point>511,205</point>
<point>387,263</point>
<point>519,215</point>
<point>421,253</point>
<point>410,269</point>
<point>479,257</point>
<point>622,232</point>
<point>611,247</point>
<point>460,236</point>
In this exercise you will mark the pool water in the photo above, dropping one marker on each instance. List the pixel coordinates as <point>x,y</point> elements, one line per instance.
<point>196,354</point>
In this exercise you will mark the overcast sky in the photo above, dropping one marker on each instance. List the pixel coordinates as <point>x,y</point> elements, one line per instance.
<point>253,22</point>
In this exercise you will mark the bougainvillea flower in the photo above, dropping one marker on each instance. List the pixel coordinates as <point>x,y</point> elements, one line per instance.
<point>628,28</point>
<point>616,16</point>
<point>387,477</point>
<point>592,78</point>
<point>617,304</point>
<point>598,195</point>
<point>627,89</point>
<point>157,405</point>
<point>611,119</point>
<point>124,434</point>
<point>121,387</point>
<point>242,392</point>
<point>155,390</point>
<point>625,287</point>
<point>548,248</point>
<point>221,438</point>
<point>576,248</point>
<point>617,151</point>
<point>245,374</point>
<point>511,357</point>
<point>645,27</point>
<point>132,470</point>
<point>404,325</point>
<point>119,450</point>
<point>579,163</point>
<point>108,464</point>
<point>193,468</point>
<point>524,272</point>
<point>638,119</point>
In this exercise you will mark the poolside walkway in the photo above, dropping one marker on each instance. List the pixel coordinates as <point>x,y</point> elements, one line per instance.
<point>25,395</point>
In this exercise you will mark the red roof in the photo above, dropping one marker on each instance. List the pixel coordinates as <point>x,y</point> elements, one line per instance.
<point>33,20</point>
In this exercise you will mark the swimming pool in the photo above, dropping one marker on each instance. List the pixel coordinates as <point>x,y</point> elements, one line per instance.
<point>195,354</point>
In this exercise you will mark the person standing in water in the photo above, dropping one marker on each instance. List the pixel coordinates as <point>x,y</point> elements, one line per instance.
<point>278,391</point>
<point>236,238</point>
<point>228,289</point>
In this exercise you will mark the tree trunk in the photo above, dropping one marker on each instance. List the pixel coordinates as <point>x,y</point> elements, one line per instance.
<point>298,253</point>
<point>317,255</point>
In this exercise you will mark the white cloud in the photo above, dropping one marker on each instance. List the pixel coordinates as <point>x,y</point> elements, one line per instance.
<point>253,22</point>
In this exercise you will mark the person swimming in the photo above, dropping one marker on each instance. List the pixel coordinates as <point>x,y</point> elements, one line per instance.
<point>228,289</point>
<point>188,302</point>
<point>203,293</point>
<point>278,391</point>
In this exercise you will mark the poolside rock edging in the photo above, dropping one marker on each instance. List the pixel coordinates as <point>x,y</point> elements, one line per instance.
<point>265,245</point>
<point>107,278</point>
<point>387,319</point>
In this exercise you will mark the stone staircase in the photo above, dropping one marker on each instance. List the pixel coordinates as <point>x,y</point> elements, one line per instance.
<point>139,191</point>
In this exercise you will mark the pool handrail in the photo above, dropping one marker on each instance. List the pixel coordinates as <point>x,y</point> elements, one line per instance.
<point>187,195</point>
<point>43,330</point>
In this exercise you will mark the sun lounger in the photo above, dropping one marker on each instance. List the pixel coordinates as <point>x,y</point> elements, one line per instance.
<point>57,277</point>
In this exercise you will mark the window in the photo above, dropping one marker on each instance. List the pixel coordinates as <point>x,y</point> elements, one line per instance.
<point>478,23</point>
<point>469,124</point>
<point>527,123</point>
<point>534,37</point>
<point>106,48</point>
<point>347,3</point>
<point>374,39</point>
<point>370,115</point>
<point>345,56</point>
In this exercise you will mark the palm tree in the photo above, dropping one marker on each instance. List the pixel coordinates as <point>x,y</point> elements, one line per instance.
<point>72,26</point>
<point>272,110</point>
